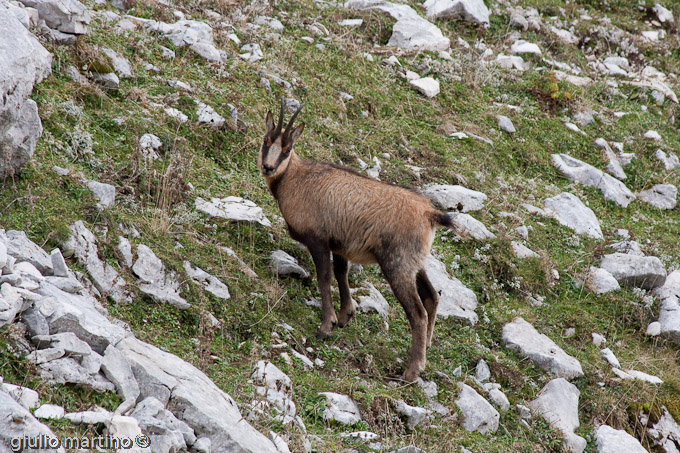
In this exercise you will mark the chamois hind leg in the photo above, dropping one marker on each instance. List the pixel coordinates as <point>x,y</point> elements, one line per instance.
<point>322,261</point>
<point>347,309</point>
<point>430,299</point>
<point>403,285</point>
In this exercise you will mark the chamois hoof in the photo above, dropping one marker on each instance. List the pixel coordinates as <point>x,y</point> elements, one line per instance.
<point>321,335</point>
<point>344,319</point>
<point>410,376</point>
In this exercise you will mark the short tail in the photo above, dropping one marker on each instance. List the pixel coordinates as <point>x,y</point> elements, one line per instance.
<point>446,220</point>
<point>443,219</point>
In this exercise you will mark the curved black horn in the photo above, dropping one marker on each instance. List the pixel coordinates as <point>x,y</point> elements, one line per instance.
<point>292,119</point>
<point>280,124</point>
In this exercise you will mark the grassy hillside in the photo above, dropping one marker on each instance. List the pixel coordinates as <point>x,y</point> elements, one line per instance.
<point>95,133</point>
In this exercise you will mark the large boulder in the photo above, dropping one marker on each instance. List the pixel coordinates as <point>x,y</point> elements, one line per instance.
<point>647,272</point>
<point>18,425</point>
<point>572,213</point>
<point>24,62</point>
<point>478,413</point>
<point>558,405</point>
<point>455,299</point>
<point>521,336</point>
<point>411,32</point>
<point>474,11</point>
<point>610,440</point>
<point>67,16</point>
<point>583,173</point>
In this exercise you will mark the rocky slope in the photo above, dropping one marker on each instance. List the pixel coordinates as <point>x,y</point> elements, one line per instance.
<point>148,285</point>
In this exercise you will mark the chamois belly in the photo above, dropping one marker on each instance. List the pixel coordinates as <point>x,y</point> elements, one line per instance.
<point>357,256</point>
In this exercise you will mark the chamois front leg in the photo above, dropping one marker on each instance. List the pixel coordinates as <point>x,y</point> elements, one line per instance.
<point>322,261</point>
<point>347,308</point>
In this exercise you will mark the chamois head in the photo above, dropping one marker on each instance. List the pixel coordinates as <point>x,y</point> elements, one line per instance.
<point>278,144</point>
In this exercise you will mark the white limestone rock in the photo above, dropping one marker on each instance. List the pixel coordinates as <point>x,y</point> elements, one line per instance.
<point>19,422</point>
<point>478,414</point>
<point>232,208</point>
<point>49,411</point>
<point>149,145</point>
<point>521,251</point>
<point>117,369</point>
<point>66,312</point>
<point>21,249</point>
<point>341,409</point>
<point>374,302</point>
<point>411,31</point>
<point>522,337</point>
<point>104,193</point>
<point>569,211</point>
<point>663,14</point>
<point>583,173</point>
<point>498,399</point>
<point>470,228</point>
<point>662,196</point>
<point>455,197</point>
<point>285,265</point>
<point>414,415</point>
<point>427,86</point>
<point>208,115</point>
<point>93,417</point>
<point>106,279</point>
<point>120,64</point>
<point>11,303</point>
<point>523,47</point>
<point>154,280</point>
<point>195,34</point>
<point>670,161</point>
<point>25,396</point>
<point>505,124</point>
<point>614,166</point>
<point>473,11</point>
<point>639,375</point>
<point>194,398</point>
<point>609,356</point>
<point>669,315</point>
<point>601,281</point>
<point>455,299</point>
<point>165,431</point>
<point>66,16</point>
<point>512,62</point>
<point>211,283</point>
<point>25,62</point>
<point>653,329</point>
<point>277,388</point>
<point>610,440</point>
<point>647,272</point>
<point>558,405</point>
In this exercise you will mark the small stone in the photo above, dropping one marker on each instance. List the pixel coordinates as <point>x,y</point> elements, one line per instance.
<point>652,135</point>
<point>609,356</point>
<point>598,340</point>
<point>58,264</point>
<point>483,372</point>
<point>662,196</point>
<point>478,414</point>
<point>283,265</point>
<point>427,86</point>
<point>505,124</point>
<point>341,408</point>
<point>654,329</point>
<point>49,411</point>
<point>610,440</point>
<point>520,46</point>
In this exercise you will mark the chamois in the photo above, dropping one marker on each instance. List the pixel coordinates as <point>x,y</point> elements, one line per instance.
<point>332,208</point>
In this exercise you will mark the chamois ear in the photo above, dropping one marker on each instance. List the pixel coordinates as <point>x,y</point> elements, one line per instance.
<point>269,121</point>
<point>295,133</point>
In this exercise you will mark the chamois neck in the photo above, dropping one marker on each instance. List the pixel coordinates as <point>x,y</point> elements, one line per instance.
<point>274,182</point>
